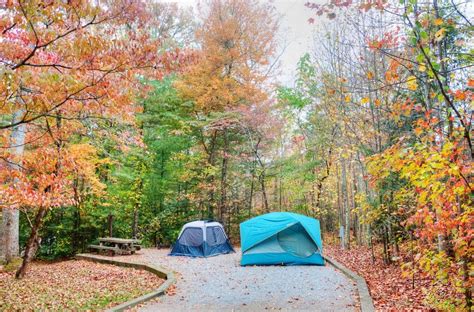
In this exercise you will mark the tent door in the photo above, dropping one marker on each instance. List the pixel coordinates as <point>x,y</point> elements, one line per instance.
<point>296,241</point>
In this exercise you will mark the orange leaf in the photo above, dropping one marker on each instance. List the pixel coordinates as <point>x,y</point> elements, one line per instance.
<point>460,95</point>
<point>470,83</point>
<point>438,21</point>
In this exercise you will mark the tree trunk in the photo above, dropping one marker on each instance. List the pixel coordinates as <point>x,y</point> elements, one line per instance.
<point>77,242</point>
<point>386,245</point>
<point>10,230</point>
<point>223,199</point>
<point>345,202</point>
<point>249,207</point>
<point>354,191</point>
<point>211,178</point>
<point>275,192</point>
<point>33,242</point>
<point>264,192</point>
<point>312,193</point>
<point>280,193</point>
<point>136,206</point>
<point>340,208</point>
<point>369,233</point>
<point>110,223</point>
<point>135,222</point>
<point>9,242</point>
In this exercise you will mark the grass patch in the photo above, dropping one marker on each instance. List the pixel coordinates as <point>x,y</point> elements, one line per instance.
<point>13,265</point>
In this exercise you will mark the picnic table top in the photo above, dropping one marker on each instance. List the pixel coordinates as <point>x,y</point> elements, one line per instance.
<point>119,240</point>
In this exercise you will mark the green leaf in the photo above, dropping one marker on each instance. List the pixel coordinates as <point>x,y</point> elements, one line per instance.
<point>420,58</point>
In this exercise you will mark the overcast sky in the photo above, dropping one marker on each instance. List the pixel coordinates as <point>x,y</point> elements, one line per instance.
<point>295,33</point>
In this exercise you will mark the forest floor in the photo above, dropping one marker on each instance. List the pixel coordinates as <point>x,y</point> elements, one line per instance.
<point>220,284</point>
<point>389,288</point>
<point>73,286</point>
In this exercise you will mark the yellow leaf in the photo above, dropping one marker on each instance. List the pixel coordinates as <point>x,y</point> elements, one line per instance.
<point>422,67</point>
<point>406,112</point>
<point>411,83</point>
<point>370,75</point>
<point>347,98</point>
<point>438,22</point>
<point>439,35</point>
<point>365,100</point>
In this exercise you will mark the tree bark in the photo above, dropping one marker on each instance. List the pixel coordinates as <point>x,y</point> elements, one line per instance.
<point>261,176</point>
<point>280,189</point>
<point>223,197</point>
<point>252,183</point>
<point>211,160</point>
<point>76,234</point>
<point>371,244</point>
<point>9,242</point>
<point>354,191</point>
<point>110,223</point>
<point>135,223</point>
<point>33,242</point>
<point>345,204</point>
<point>10,230</point>
<point>264,192</point>
<point>136,208</point>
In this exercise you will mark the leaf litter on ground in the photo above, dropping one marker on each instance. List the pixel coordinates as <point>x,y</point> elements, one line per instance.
<point>390,290</point>
<point>73,285</point>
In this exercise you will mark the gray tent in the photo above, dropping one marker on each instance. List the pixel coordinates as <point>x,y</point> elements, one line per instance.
<point>201,239</point>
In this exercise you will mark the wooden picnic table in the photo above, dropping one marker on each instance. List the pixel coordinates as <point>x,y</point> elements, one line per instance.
<point>115,245</point>
<point>119,240</point>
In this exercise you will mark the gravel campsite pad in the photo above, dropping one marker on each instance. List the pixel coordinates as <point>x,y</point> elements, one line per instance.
<point>221,284</point>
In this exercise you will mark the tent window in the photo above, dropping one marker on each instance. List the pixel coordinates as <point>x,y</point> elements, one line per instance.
<point>215,236</point>
<point>296,241</point>
<point>191,237</point>
<point>270,245</point>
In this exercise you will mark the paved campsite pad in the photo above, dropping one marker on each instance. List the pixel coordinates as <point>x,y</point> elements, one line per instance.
<point>221,284</point>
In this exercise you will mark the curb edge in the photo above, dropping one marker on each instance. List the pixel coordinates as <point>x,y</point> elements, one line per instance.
<point>366,302</point>
<point>161,272</point>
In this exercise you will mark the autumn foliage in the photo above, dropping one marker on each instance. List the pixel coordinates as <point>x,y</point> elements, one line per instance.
<point>229,89</point>
<point>131,117</point>
<point>419,174</point>
<point>68,69</point>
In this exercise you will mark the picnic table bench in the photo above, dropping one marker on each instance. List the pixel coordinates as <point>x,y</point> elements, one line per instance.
<point>114,245</point>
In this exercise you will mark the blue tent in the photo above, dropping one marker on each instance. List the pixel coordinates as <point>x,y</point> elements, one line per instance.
<point>201,239</point>
<point>281,238</point>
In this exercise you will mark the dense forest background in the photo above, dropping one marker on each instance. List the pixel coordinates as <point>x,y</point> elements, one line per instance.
<point>374,137</point>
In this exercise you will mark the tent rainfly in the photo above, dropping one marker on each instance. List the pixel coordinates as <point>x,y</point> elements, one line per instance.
<point>281,238</point>
<point>201,239</point>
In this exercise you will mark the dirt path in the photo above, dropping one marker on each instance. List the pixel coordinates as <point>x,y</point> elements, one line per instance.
<point>221,284</point>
